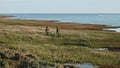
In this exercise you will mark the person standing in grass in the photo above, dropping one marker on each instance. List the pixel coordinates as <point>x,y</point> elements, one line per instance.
<point>57,30</point>
<point>47,30</point>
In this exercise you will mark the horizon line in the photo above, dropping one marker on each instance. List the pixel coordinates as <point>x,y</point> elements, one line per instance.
<point>59,12</point>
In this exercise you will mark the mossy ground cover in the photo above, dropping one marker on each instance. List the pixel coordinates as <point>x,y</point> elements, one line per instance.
<point>28,39</point>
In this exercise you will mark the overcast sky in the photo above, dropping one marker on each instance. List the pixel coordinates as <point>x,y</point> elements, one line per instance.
<point>59,6</point>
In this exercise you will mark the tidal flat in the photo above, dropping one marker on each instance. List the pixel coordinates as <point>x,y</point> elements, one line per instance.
<point>24,44</point>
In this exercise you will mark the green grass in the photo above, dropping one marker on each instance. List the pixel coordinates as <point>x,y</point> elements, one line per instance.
<point>61,49</point>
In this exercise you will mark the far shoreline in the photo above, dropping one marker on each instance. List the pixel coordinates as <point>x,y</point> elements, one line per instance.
<point>5,16</point>
<point>106,27</point>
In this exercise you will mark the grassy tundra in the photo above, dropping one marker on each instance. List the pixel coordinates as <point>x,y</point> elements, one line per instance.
<point>24,44</point>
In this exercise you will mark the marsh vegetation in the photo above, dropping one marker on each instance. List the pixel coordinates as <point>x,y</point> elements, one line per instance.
<point>24,44</point>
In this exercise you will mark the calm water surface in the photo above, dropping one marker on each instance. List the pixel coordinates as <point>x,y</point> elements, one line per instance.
<point>88,18</point>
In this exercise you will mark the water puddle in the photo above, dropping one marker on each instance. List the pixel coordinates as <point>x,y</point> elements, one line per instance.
<point>86,65</point>
<point>102,49</point>
<point>113,49</point>
<point>80,65</point>
<point>109,49</point>
<point>113,29</point>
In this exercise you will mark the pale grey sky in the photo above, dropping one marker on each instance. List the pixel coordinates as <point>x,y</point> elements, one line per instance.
<point>59,6</point>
